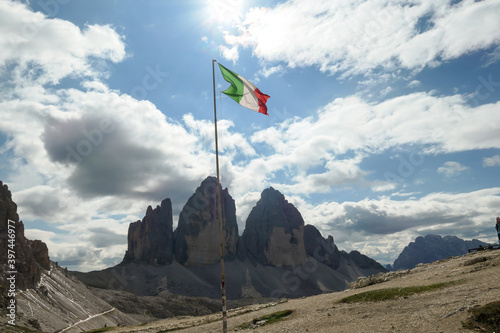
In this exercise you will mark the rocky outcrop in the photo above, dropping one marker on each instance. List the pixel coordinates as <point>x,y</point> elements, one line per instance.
<point>431,248</point>
<point>323,250</point>
<point>8,208</point>
<point>197,237</point>
<point>351,264</point>
<point>274,232</point>
<point>31,256</point>
<point>46,297</point>
<point>151,240</point>
<point>277,256</point>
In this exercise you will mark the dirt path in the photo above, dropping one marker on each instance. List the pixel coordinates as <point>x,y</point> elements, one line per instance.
<point>441,310</point>
<point>89,318</point>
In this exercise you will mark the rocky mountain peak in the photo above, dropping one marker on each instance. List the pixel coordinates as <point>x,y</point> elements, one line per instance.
<point>197,238</point>
<point>274,231</point>
<point>323,250</point>
<point>32,256</point>
<point>272,195</point>
<point>274,245</point>
<point>151,240</point>
<point>8,208</point>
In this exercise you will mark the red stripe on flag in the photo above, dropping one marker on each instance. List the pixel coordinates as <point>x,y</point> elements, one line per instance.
<point>262,101</point>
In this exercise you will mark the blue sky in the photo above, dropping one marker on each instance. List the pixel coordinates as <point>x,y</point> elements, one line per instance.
<point>383,118</point>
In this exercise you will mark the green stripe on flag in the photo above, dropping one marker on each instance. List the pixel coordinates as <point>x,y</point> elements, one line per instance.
<point>235,90</point>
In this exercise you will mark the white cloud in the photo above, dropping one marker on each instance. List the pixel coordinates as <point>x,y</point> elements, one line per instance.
<point>234,143</point>
<point>451,169</point>
<point>383,227</point>
<point>245,203</point>
<point>351,126</point>
<point>493,57</point>
<point>43,235</point>
<point>342,173</point>
<point>229,53</point>
<point>492,161</point>
<point>385,91</point>
<point>266,72</point>
<point>46,50</point>
<point>414,84</point>
<point>355,37</point>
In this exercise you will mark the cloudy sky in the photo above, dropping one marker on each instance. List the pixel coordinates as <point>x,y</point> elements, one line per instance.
<point>384,116</point>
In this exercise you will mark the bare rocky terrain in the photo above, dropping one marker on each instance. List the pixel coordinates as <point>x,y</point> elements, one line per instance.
<point>474,280</point>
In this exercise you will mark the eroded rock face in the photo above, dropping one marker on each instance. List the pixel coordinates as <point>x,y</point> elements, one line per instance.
<point>8,208</point>
<point>325,251</point>
<point>32,256</point>
<point>152,240</point>
<point>274,232</point>
<point>321,249</point>
<point>197,237</point>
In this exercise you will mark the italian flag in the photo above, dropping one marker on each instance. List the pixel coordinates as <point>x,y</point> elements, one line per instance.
<point>244,92</point>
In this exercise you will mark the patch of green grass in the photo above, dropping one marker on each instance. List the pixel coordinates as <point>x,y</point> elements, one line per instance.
<point>267,319</point>
<point>485,318</point>
<point>273,317</point>
<point>393,293</point>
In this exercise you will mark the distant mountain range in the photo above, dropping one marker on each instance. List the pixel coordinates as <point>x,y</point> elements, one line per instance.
<point>431,248</point>
<point>276,255</point>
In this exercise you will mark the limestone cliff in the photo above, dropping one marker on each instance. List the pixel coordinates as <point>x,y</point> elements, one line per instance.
<point>47,298</point>
<point>274,232</point>
<point>31,256</point>
<point>277,256</point>
<point>151,240</point>
<point>350,265</point>
<point>323,250</point>
<point>197,237</point>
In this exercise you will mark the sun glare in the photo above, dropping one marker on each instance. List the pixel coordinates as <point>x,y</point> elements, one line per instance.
<point>225,12</point>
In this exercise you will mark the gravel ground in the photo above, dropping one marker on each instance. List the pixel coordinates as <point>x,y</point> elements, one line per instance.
<point>441,310</point>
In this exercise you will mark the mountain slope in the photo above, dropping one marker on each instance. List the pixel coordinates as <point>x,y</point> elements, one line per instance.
<point>45,296</point>
<point>467,284</point>
<point>61,303</point>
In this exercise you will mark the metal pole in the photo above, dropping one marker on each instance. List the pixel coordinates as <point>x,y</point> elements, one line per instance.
<point>222,266</point>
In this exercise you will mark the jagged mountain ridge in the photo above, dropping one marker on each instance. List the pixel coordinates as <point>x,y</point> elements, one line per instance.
<point>32,256</point>
<point>276,256</point>
<point>196,239</point>
<point>274,232</point>
<point>146,237</point>
<point>432,248</point>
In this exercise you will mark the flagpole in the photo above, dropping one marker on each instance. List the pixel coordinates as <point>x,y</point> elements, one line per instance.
<point>222,265</point>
